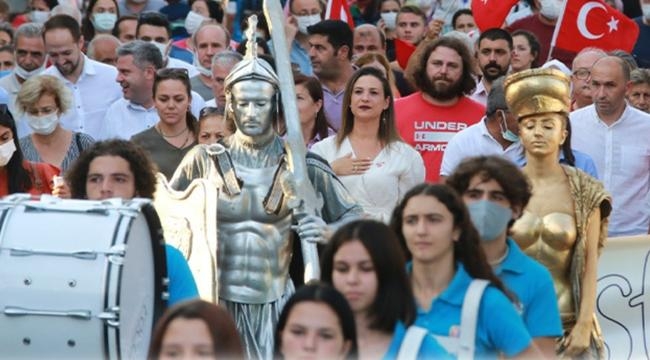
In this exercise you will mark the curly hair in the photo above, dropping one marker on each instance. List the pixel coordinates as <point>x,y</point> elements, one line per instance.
<point>418,74</point>
<point>35,87</point>
<point>143,168</point>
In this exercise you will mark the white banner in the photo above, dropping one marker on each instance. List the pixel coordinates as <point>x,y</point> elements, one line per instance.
<point>623,300</point>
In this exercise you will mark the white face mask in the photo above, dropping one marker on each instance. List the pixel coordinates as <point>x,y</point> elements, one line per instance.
<point>39,16</point>
<point>103,22</point>
<point>645,8</point>
<point>200,68</point>
<point>306,21</point>
<point>390,19</point>
<point>162,48</point>
<point>7,150</point>
<point>43,125</point>
<point>192,21</point>
<point>24,74</point>
<point>551,9</point>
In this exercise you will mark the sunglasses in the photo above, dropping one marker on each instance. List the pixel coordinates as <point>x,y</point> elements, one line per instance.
<point>173,73</point>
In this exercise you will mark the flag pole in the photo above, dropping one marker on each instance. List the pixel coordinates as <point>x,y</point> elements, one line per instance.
<point>556,31</point>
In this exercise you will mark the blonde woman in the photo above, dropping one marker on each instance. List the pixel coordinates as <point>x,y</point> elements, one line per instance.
<point>41,101</point>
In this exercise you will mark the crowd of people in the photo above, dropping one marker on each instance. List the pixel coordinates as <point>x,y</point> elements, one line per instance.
<point>466,189</point>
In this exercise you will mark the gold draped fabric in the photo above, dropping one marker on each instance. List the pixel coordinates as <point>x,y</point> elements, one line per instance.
<point>588,195</point>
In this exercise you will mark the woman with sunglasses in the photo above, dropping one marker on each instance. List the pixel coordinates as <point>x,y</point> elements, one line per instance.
<point>17,175</point>
<point>175,133</point>
<point>213,125</point>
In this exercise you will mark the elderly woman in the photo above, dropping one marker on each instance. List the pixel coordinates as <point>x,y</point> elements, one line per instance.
<point>565,236</point>
<point>42,100</point>
<point>368,154</point>
<point>18,175</point>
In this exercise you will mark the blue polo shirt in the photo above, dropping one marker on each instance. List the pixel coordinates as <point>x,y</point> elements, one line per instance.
<point>499,329</point>
<point>533,285</point>
<point>429,349</point>
<point>181,281</point>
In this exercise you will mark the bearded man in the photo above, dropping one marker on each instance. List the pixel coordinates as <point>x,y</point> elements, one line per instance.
<point>430,117</point>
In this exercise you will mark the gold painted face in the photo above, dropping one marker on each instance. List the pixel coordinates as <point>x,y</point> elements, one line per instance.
<point>543,134</point>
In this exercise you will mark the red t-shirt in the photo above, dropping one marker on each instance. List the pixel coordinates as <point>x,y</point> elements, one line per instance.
<point>429,127</point>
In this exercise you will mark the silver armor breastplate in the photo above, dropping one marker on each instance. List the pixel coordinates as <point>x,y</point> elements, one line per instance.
<point>254,250</point>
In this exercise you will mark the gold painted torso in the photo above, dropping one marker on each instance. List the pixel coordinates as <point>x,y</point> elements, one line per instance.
<point>550,239</point>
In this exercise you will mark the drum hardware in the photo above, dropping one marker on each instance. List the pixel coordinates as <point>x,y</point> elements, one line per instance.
<point>115,254</point>
<point>111,316</point>
<point>19,311</point>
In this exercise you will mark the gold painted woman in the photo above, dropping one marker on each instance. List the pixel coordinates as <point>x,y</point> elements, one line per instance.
<point>564,225</point>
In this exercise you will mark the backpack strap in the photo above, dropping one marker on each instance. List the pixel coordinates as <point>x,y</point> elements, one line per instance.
<point>411,343</point>
<point>469,318</point>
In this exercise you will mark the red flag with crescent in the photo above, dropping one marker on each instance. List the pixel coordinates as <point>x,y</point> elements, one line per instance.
<point>594,23</point>
<point>490,14</point>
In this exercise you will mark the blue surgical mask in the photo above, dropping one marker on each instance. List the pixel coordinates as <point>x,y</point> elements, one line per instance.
<point>505,132</point>
<point>489,218</point>
<point>104,22</point>
<point>4,73</point>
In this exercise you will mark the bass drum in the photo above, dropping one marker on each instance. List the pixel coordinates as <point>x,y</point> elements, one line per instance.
<point>79,279</point>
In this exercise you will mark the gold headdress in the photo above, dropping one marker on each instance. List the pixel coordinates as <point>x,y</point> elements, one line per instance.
<point>537,91</point>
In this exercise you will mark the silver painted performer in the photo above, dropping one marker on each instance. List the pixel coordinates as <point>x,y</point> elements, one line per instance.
<point>254,213</point>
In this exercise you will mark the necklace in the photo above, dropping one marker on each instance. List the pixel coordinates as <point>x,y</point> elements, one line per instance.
<point>170,136</point>
<point>498,261</point>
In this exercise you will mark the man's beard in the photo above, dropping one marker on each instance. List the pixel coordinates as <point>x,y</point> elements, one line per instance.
<point>443,90</point>
<point>491,77</point>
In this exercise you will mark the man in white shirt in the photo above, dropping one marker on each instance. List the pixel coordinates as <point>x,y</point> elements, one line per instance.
<point>208,40</point>
<point>29,52</point>
<point>91,82</point>
<point>155,28</point>
<point>615,135</point>
<point>495,134</point>
<point>137,63</point>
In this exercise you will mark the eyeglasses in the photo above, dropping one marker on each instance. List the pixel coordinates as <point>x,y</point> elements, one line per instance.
<point>173,73</point>
<point>211,110</point>
<point>581,73</point>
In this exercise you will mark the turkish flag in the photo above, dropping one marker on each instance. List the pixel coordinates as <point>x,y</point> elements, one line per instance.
<point>339,10</point>
<point>594,23</point>
<point>490,14</point>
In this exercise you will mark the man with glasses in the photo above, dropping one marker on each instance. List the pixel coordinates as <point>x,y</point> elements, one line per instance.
<point>155,28</point>
<point>91,82</point>
<point>30,58</point>
<point>137,64</point>
<point>304,13</point>
<point>580,70</point>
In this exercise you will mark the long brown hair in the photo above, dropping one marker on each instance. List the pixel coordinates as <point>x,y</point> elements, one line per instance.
<point>315,90</point>
<point>387,133</point>
<point>181,75</point>
<point>467,250</point>
<point>225,338</point>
